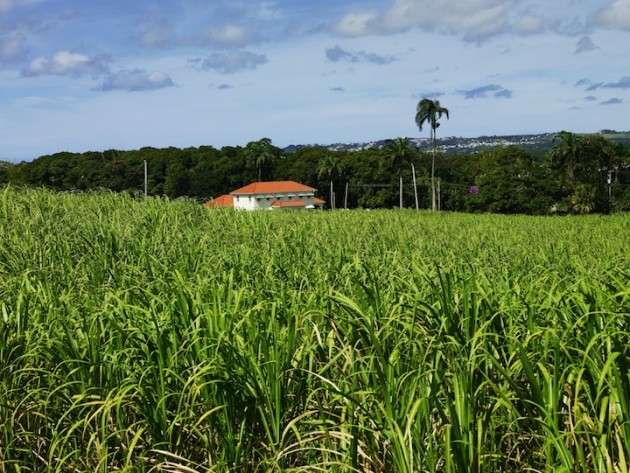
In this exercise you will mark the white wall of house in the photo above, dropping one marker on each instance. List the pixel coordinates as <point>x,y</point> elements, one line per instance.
<point>244,202</point>
<point>265,201</point>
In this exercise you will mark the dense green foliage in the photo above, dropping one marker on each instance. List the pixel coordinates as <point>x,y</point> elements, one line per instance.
<point>151,335</point>
<point>509,179</point>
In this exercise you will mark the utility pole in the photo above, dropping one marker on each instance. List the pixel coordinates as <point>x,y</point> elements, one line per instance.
<point>609,190</point>
<point>415,187</point>
<point>332,196</point>
<point>146,180</point>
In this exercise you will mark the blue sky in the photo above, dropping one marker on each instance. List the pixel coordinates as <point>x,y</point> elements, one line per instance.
<point>78,75</point>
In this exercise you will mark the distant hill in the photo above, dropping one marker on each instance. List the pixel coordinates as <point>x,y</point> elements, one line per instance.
<point>536,143</point>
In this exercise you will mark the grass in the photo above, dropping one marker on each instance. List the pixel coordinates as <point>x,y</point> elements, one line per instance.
<point>148,335</point>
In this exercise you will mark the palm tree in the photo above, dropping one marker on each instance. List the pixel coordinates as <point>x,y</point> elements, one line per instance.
<point>430,111</point>
<point>566,153</point>
<point>330,168</point>
<point>259,153</point>
<point>399,152</point>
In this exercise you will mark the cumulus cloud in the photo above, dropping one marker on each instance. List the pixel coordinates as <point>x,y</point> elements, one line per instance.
<point>67,63</point>
<point>590,98</point>
<point>615,16</point>
<point>612,101</point>
<point>137,80</point>
<point>475,20</point>
<point>338,54</point>
<point>224,87</point>
<point>584,44</point>
<point>229,35</point>
<point>233,61</point>
<point>492,90</point>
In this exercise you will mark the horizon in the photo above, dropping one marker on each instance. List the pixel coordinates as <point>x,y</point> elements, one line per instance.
<point>123,76</point>
<point>324,145</point>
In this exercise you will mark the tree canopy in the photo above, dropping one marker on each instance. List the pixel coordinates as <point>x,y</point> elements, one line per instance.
<point>581,174</point>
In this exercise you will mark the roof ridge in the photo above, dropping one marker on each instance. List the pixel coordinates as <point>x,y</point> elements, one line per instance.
<point>273,187</point>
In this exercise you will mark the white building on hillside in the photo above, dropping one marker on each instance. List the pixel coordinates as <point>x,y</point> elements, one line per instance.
<point>276,195</point>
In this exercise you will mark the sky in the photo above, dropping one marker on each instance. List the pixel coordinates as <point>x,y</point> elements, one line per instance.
<point>90,75</point>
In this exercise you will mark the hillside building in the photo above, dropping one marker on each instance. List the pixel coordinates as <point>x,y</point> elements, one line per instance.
<point>272,195</point>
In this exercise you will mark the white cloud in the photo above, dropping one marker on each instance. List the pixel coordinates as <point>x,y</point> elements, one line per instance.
<point>358,24</point>
<point>137,80</point>
<point>229,35</point>
<point>530,24</point>
<point>474,19</point>
<point>615,16</point>
<point>66,63</point>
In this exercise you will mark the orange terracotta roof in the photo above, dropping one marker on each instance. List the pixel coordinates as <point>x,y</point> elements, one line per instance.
<point>289,203</point>
<point>225,200</point>
<point>272,187</point>
<point>318,201</point>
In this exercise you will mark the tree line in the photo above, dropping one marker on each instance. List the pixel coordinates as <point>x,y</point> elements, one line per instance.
<point>580,174</point>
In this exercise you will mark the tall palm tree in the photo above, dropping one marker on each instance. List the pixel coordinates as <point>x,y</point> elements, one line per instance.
<point>259,153</point>
<point>430,111</point>
<point>330,168</point>
<point>399,151</point>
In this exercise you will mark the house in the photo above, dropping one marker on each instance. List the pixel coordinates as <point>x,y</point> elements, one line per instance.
<point>297,204</point>
<point>275,195</point>
<point>225,200</point>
